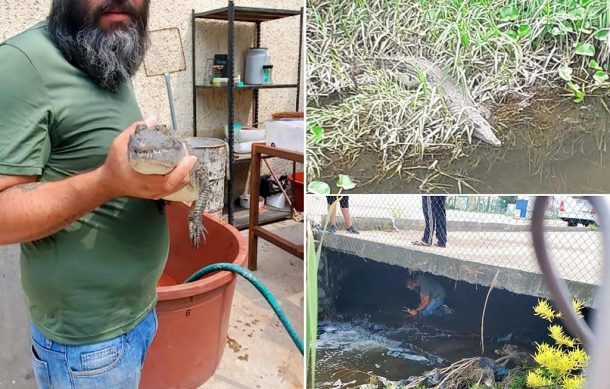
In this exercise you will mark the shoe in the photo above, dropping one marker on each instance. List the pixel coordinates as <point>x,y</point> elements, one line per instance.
<point>439,244</point>
<point>331,228</point>
<point>352,230</point>
<point>420,243</point>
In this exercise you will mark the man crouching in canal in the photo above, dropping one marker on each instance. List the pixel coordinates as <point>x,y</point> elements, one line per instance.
<point>431,296</point>
<point>93,243</point>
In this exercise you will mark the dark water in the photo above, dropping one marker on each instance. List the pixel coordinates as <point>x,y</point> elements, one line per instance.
<point>369,335</point>
<point>552,145</point>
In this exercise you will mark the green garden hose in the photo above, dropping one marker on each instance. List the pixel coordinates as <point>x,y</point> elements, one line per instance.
<point>260,287</point>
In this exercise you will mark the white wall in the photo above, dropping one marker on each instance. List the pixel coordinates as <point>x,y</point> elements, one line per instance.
<point>281,37</point>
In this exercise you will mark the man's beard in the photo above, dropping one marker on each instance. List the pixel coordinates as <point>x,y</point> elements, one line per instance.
<point>109,58</point>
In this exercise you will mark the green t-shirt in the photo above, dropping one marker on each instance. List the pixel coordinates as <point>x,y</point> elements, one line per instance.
<point>430,287</point>
<point>95,279</point>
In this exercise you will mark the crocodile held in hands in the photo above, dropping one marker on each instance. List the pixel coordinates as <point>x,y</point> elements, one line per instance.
<point>156,150</point>
<point>409,70</point>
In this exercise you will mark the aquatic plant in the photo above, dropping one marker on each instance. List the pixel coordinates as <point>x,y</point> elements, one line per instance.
<point>491,48</point>
<point>561,364</point>
<point>311,324</point>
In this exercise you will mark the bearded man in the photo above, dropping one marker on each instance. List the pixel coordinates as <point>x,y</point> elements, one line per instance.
<point>93,243</point>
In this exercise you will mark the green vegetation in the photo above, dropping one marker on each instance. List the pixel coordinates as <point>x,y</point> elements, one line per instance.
<point>559,365</point>
<point>311,324</point>
<point>490,47</point>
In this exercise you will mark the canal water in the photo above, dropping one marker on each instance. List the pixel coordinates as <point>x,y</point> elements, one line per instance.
<point>550,145</point>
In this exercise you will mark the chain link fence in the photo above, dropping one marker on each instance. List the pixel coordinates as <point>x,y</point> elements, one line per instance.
<point>479,239</point>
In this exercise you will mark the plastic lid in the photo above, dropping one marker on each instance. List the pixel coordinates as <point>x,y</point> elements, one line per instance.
<point>267,66</point>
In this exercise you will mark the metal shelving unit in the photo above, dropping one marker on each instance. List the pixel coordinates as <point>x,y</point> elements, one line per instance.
<point>232,14</point>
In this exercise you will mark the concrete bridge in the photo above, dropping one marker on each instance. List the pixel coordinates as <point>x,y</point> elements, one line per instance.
<point>476,252</point>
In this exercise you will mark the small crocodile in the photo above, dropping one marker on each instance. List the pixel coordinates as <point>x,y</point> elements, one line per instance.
<point>156,150</point>
<point>409,70</point>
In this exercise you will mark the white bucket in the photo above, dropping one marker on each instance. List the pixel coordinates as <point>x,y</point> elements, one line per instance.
<point>213,153</point>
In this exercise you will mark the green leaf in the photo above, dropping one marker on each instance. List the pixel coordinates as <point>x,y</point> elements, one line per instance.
<point>585,49</point>
<point>465,38</point>
<point>601,35</point>
<point>509,13</point>
<point>318,187</point>
<point>594,65</point>
<point>512,33</point>
<point>600,76</point>
<point>345,182</point>
<point>317,133</point>
<point>524,29</point>
<point>566,73</point>
<point>578,94</point>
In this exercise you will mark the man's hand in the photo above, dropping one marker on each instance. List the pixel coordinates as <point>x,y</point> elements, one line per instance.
<point>410,311</point>
<point>119,179</point>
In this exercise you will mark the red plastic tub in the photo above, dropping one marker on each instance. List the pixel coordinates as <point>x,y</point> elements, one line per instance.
<point>194,317</point>
<point>298,178</point>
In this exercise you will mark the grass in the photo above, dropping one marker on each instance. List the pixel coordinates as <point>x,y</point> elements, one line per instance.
<point>491,48</point>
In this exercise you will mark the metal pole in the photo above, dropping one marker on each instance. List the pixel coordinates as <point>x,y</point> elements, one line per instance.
<point>300,59</point>
<point>170,96</point>
<point>230,60</point>
<point>193,72</point>
<point>255,91</point>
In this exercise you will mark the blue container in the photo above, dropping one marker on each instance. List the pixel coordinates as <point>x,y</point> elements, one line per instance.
<point>522,207</point>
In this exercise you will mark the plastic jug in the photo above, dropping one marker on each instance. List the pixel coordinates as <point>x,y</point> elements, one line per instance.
<point>255,60</point>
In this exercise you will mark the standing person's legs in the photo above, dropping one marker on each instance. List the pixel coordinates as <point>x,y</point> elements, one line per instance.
<point>332,213</point>
<point>347,218</point>
<point>114,363</point>
<point>428,218</point>
<point>440,217</point>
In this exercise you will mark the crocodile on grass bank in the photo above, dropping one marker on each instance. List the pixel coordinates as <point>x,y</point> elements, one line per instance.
<point>408,70</point>
<point>156,150</point>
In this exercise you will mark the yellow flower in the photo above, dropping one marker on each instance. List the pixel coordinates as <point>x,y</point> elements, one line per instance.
<point>536,379</point>
<point>574,382</point>
<point>560,337</point>
<point>544,310</point>
<point>556,361</point>
<point>580,357</point>
<point>577,306</point>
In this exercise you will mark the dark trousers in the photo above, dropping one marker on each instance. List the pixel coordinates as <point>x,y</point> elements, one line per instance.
<point>435,217</point>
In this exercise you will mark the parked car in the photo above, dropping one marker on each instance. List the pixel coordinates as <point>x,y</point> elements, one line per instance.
<point>575,211</point>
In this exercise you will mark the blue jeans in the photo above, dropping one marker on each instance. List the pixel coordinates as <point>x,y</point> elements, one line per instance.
<point>432,308</point>
<point>114,363</point>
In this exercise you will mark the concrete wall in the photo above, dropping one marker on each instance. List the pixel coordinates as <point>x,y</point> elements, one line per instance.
<point>15,360</point>
<point>281,37</point>
<point>511,279</point>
